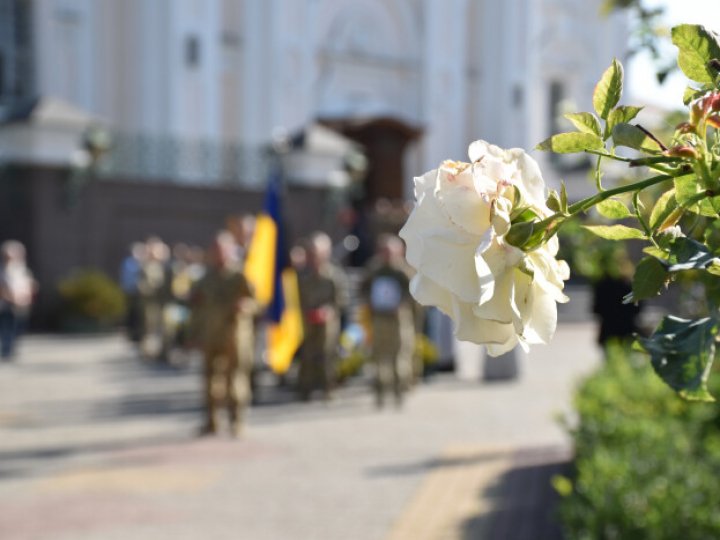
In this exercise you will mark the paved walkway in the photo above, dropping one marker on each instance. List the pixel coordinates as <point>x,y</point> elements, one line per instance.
<point>97,445</point>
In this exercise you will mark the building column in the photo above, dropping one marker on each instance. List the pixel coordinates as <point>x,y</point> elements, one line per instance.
<point>194,39</point>
<point>256,105</point>
<point>444,81</point>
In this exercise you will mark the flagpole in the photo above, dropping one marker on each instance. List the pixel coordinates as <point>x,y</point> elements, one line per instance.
<point>279,148</point>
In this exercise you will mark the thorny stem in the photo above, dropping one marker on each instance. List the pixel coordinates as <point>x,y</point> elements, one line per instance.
<point>705,173</point>
<point>635,162</point>
<point>608,155</point>
<point>589,202</point>
<point>598,174</point>
<point>638,215</point>
<point>652,136</point>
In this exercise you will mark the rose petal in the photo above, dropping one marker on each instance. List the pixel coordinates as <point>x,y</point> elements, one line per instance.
<point>529,177</point>
<point>500,256</point>
<point>502,348</point>
<point>521,300</point>
<point>482,149</point>
<point>498,308</point>
<point>428,293</point>
<point>500,216</point>
<point>453,265</point>
<point>425,184</point>
<point>457,195</point>
<point>480,331</point>
<point>541,325</point>
<point>548,274</point>
<point>428,220</point>
<point>486,279</point>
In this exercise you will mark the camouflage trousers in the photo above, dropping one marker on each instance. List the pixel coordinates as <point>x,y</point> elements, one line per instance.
<point>393,344</point>
<point>317,359</point>
<point>228,368</point>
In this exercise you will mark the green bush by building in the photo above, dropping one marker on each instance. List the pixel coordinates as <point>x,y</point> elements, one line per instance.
<point>90,301</point>
<point>647,462</point>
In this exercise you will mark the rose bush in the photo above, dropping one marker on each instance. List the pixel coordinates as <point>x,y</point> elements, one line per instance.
<point>462,239</point>
<point>483,239</point>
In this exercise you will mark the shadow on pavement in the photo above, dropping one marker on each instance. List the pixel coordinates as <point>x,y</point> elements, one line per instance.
<point>422,467</point>
<point>28,462</point>
<point>523,501</point>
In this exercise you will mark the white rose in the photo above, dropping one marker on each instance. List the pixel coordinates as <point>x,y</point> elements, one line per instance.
<point>497,294</point>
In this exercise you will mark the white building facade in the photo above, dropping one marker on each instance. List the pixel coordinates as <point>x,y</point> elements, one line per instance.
<point>240,71</point>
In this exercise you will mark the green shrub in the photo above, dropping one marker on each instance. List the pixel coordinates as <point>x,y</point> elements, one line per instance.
<point>647,463</point>
<point>92,296</point>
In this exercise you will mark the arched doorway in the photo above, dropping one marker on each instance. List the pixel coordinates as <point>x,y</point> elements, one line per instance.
<point>384,140</point>
<point>379,206</point>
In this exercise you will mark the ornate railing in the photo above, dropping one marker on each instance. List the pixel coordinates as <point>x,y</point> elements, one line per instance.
<point>147,157</point>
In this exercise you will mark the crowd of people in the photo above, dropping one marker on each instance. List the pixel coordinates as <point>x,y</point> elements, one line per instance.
<point>193,298</point>
<point>189,298</point>
<point>157,282</point>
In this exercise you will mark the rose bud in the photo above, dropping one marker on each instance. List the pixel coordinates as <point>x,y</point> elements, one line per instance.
<point>682,151</point>
<point>685,127</point>
<point>714,121</point>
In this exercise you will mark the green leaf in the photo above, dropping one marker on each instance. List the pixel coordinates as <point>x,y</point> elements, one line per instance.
<point>538,236</point>
<point>689,186</point>
<point>682,352</point>
<point>691,94</point>
<point>715,203</point>
<point>520,233</point>
<point>608,90</point>
<point>657,253</point>
<point>714,267</point>
<point>689,254</point>
<point>563,196</point>
<point>562,485</point>
<point>686,187</point>
<point>615,232</point>
<point>553,201</point>
<point>523,213</point>
<point>621,115</point>
<point>697,46</point>
<point>663,209</point>
<point>570,143</point>
<point>613,209</point>
<point>634,137</point>
<point>585,122</point>
<point>650,277</point>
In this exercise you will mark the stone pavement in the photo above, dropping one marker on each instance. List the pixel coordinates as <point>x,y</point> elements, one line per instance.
<point>94,444</point>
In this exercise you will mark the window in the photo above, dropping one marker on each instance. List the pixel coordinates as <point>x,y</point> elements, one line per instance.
<point>16,79</point>
<point>192,51</point>
<point>558,105</point>
<point>557,94</point>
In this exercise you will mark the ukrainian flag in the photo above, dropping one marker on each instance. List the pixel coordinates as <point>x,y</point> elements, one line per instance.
<point>268,268</point>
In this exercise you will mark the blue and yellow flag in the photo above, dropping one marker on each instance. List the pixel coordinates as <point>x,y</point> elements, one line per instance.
<point>276,286</point>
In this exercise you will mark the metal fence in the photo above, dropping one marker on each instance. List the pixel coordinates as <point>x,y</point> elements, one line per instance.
<point>146,157</point>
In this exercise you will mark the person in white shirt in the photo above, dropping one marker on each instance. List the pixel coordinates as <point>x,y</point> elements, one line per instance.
<point>17,290</point>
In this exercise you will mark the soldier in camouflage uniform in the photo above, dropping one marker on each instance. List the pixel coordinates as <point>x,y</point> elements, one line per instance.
<point>385,290</point>
<point>222,325</point>
<point>323,296</point>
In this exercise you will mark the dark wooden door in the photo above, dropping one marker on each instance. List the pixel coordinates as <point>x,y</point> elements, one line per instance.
<point>384,141</point>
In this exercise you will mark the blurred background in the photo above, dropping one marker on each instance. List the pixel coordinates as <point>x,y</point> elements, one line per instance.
<point>127,125</point>
<point>126,119</point>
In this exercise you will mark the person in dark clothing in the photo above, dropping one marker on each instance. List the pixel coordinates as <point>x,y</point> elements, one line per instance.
<point>618,321</point>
